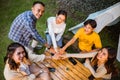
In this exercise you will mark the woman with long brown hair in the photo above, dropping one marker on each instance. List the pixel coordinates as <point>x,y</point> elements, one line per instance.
<point>102,64</point>
<point>14,70</point>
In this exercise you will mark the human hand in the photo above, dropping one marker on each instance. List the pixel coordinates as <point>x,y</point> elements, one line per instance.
<point>87,63</point>
<point>63,56</point>
<point>52,50</point>
<point>47,45</point>
<point>61,51</point>
<point>56,56</point>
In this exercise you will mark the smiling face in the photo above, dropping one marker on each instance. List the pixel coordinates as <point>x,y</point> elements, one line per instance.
<point>60,18</point>
<point>38,10</point>
<point>102,55</point>
<point>88,29</point>
<point>18,55</point>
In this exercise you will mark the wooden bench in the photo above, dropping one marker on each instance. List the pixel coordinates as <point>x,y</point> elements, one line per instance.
<point>65,70</point>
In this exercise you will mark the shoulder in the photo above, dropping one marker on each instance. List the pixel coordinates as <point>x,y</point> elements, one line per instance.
<point>9,74</point>
<point>95,34</point>
<point>102,68</point>
<point>51,19</point>
<point>24,16</point>
<point>25,13</point>
<point>80,30</point>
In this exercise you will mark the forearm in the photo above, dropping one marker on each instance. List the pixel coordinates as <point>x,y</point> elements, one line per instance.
<point>36,58</point>
<point>69,43</point>
<point>48,57</point>
<point>21,77</point>
<point>38,73</point>
<point>82,55</point>
<point>95,50</point>
<point>52,35</point>
<point>97,74</point>
<point>54,41</point>
<point>36,35</point>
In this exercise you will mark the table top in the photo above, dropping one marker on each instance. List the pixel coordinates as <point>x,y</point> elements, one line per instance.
<point>65,70</point>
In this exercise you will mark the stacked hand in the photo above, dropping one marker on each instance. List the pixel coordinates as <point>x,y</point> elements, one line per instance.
<point>59,54</point>
<point>63,56</point>
<point>61,51</point>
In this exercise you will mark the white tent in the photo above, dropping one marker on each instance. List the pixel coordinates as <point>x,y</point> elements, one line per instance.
<point>106,17</point>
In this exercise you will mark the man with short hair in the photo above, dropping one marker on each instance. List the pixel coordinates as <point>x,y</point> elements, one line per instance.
<point>23,29</point>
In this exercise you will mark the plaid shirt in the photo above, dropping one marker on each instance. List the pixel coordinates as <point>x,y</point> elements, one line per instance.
<point>23,29</point>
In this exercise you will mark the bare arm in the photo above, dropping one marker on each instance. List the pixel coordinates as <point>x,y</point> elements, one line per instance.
<point>99,72</point>
<point>82,55</point>
<point>79,55</point>
<point>67,45</point>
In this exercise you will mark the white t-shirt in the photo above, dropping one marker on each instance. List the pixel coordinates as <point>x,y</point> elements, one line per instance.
<point>55,30</point>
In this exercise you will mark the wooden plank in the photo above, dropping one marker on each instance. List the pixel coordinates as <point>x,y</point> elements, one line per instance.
<point>59,67</point>
<point>62,69</point>
<point>61,76</point>
<point>70,72</point>
<point>54,76</point>
<point>82,68</point>
<point>47,64</point>
<point>65,70</point>
<point>75,69</point>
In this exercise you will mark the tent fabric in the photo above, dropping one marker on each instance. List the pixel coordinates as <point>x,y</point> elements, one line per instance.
<point>103,18</point>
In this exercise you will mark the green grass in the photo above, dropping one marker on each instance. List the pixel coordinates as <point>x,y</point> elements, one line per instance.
<point>8,11</point>
<point>11,8</point>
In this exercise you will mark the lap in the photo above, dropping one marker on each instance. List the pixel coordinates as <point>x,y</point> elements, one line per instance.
<point>45,75</point>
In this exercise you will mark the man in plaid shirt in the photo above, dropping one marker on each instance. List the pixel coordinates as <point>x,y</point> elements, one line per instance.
<point>23,29</point>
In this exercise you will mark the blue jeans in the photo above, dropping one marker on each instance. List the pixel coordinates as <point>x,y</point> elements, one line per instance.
<point>49,40</point>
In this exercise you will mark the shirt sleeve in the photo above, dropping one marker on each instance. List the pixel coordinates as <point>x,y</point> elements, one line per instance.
<point>18,76</point>
<point>77,34</point>
<point>36,58</point>
<point>31,28</point>
<point>60,34</point>
<point>15,75</point>
<point>99,72</point>
<point>51,32</point>
<point>97,42</point>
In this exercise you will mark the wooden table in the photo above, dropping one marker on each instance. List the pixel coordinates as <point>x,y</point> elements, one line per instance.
<point>65,70</point>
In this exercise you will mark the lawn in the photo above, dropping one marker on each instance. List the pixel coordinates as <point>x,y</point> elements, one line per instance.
<point>11,8</point>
